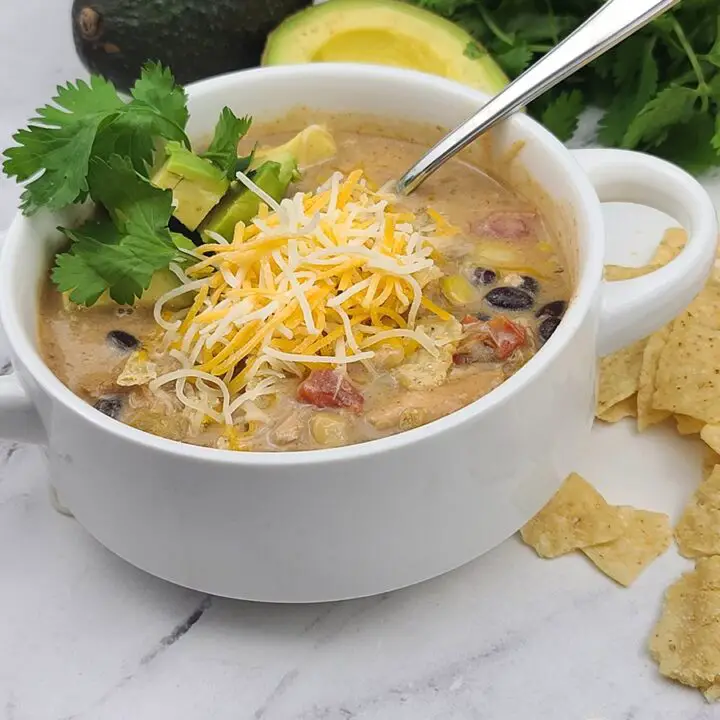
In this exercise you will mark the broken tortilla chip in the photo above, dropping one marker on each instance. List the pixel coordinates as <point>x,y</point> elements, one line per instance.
<point>625,408</point>
<point>619,376</point>
<point>647,535</point>
<point>710,435</point>
<point>577,516</point>
<point>688,375</point>
<point>709,461</point>
<point>698,531</point>
<point>647,415</point>
<point>613,273</point>
<point>686,640</point>
<point>687,425</point>
<point>673,241</point>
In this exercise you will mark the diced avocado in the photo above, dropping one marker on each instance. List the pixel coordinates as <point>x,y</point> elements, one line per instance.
<point>312,146</point>
<point>182,242</point>
<point>162,281</point>
<point>241,204</point>
<point>196,184</point>
<point>383,32</point>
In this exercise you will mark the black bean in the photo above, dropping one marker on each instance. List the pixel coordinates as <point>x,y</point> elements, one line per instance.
<point>122,340</point>
<point>110,406</point>
<point>556,309</point>
<point>547,327</point>
<point>530,284</point>
<point>483,317</point>
<point>483,276</point>
<point>509,298</point>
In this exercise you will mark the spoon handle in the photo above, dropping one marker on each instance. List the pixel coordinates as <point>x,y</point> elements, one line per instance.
<point>612,23</point>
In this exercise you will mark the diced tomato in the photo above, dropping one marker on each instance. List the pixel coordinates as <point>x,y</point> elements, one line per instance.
<point>505,335</point>
<point>494,339</point>
<point>508,225</point>
<point>327,388</point>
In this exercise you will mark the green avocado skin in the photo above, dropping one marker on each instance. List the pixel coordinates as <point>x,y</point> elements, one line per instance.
<point>195,38</point>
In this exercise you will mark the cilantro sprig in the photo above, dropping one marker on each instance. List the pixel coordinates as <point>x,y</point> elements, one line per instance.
<point>89,142</point>
<point>660,88</point>
<point>121,252</point>
<point>90,120</point>
<point>222,150</point>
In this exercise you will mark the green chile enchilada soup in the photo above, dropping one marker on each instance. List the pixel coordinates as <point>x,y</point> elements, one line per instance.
<point>321,310</point>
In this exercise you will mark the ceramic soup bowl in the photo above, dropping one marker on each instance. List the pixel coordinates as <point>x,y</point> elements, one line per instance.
<point>368,518</point>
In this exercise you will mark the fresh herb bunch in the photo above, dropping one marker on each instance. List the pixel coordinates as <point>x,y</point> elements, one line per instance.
<point>92,143</point>
<point>660,89</point>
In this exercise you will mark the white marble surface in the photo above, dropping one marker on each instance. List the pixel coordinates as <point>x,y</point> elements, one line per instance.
<point>85,636</point>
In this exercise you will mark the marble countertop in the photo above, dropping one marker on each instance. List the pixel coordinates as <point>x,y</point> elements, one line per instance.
<point>84,636</point>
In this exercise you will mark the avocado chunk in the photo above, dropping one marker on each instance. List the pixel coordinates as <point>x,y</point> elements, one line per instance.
<point>196,39</point>
<point>311,146</point>
<point>241,204</point>
<point>383,32</point>
<point>196,184</point>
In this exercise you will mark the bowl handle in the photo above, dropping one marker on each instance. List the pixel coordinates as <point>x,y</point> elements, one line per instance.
<point>19,419</point>
<point>633,309</point>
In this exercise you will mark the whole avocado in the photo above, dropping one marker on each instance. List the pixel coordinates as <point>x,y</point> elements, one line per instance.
<point>195,38</point>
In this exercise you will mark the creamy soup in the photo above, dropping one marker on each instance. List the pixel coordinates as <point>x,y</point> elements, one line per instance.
<point>343,315</point>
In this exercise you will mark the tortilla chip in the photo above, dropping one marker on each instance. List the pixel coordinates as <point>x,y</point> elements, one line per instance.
<point>647,415</point>
<point>686,640</point>
<point>710,460</point>
<point>687,425</point>
<point>647,536</point>
<point>688,376</point>
<point>138,370</point>
<point>619,376</point>
<point>673,241</point>
<point>625,408</point>
<point>710,435</point>
<point>698,531</point>
<point>705,308</point>
<point>577,516</point>
<point>613,273</point>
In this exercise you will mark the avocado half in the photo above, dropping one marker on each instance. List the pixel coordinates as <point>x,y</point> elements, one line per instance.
<point>383,32</point>
<point>195,38</point>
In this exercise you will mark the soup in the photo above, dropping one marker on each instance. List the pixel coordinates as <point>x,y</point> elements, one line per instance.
<point>338,315</point>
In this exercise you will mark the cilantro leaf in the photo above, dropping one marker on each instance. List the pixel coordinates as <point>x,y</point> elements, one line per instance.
<point>714,55</point>
<point>562,114</point>
<point>156,88</point>
<point>688,144</point>
<point>87,120</point>
<point>716,137</point>
<point>223,148</point>
<point>158,107</point>
<point>57,145</point>
<point>102,258</point>
<point>672,106</point>
<point>135,206</point>
<point>119,253</point>
<point>73,275</point>
<point>123,135</point>
<point>515,60</point>
<point>627,105</point>
<point>474,52</point>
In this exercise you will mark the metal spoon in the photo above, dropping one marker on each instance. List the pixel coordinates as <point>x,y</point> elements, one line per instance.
<point>612,23</point>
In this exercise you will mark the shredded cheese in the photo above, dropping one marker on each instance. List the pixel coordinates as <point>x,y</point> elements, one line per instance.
<point>317,280</point>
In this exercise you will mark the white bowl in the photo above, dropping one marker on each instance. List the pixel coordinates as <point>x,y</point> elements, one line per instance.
<point>358,520</point>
